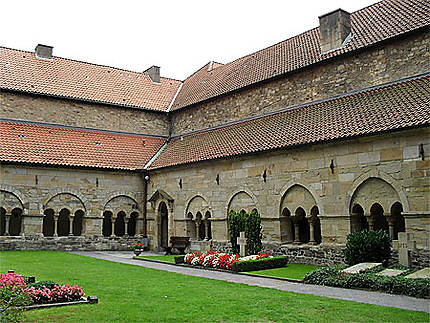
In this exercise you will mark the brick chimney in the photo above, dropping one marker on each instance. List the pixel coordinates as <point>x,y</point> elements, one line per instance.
<point>43,51</point>
<point>154,73</point>
<point>335,27</point>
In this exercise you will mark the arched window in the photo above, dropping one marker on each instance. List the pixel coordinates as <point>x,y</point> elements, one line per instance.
<point>398,220</point>
<point>107,224</point>
<point>316,224</point>
<point>208,234</point>
<point>131,228</point>
<point>2,221</point>
<point>358,221</point>
<point>303,225</point>
<point>379,220</point>
<point>63,225</point>
<point>48,223</point>
<point>78,222</point>
<point>286,226</point>
<point>120,224</point>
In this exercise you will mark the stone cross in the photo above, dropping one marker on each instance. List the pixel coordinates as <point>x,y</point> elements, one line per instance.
<point>241,241</point>
<point>404,245</point>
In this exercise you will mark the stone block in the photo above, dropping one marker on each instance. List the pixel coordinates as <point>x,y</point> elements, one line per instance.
<point>358,268</point>
<point>423,273</point>
<point>410,152</point>
<point>391,272</point>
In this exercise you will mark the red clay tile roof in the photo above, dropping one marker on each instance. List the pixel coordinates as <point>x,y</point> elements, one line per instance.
<point>370,25</point>
<point>22,71</point>
<point>48,145</point>
<point>388,108</point>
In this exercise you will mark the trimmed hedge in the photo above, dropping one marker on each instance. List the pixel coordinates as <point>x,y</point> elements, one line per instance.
<point>251,225</point>
<point>333,276</point>
<point>179,259</point>
<point>368,246</point>
<point>260,264</point>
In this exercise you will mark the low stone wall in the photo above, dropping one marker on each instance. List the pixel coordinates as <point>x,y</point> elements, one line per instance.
<point>80,243</point>
<point>323,254</point>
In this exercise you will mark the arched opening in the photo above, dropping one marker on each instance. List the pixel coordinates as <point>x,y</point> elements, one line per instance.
<point>48,223</point>
<point>316,223</point>
<point>201,226</point>
<point>358,221</point>
<point>119,227</point>
<point>78,222</point>
<point>163,225</point>
<point>2,221</point>
<point>303,225</point>
<point>379,220</point>
<point>132,222</point>
<point>107,223</point>
<point>191,226</point>
<point>286,226</point>
<point>63,225</point>
<point>398,220</point>
<point>209,226</point>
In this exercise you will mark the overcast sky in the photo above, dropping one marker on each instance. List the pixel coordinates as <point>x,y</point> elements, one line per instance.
<point>178,36</point>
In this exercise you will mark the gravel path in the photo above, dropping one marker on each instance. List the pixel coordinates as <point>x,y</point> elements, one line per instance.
<point>399,301</point>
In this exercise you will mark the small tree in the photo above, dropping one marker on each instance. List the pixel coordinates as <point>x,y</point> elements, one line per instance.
<point>251,225</point>
<point>368,246</point>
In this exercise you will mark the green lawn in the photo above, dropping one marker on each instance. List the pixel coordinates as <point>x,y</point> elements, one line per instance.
<point>294,271</point>
<point>134,294</point>
<point>167,258</point>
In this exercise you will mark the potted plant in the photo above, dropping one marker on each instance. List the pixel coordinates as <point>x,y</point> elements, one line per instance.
<point>137,248</point>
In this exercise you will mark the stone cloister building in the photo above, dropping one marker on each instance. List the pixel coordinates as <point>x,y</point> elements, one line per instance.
<point>324,134</point>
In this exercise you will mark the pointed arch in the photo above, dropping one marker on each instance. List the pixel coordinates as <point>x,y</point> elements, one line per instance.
<point>241,200</point>
<point>312,192</point>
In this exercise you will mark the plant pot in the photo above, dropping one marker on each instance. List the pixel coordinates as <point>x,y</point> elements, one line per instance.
<point>137,252</point>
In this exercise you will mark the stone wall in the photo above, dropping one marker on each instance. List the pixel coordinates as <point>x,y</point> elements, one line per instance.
<point>392,159</point>
<point>377,65</point>
<point>20,106</point>
<point>66,243</point>
<point>37,189</point>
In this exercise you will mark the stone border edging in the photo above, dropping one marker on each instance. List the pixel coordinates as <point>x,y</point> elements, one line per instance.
<point>220,270</point>
<point>32,307</point>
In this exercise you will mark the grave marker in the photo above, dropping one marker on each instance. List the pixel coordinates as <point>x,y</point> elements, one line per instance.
<point>404,245</point>
<point>241,241</point>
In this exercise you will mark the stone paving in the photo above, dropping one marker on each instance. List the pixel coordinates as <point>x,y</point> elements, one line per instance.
<point>399,301</point>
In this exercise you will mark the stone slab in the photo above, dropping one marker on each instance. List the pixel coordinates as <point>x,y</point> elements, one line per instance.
<point>358,268</point>
<point>423,273</point>
<point>390,272</point>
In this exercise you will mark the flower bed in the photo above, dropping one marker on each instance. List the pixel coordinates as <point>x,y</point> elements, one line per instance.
<point>231,262</point>
<point>41,292</point>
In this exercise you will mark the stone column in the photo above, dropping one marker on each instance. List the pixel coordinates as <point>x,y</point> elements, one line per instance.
<point>126,226</point>
<point>311,231</point>
<point>70,225</point>
<point>370,220</point>
<point>83,225</point>
<point>6,232</point>
<point>198,229</point>
<point>206,230</point>
<point>56,224</point>
<point>390,220</point>
<point>296,230</point>
<point>113,227</point>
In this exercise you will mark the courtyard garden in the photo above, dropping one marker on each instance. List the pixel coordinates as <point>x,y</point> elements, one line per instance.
<point>136,294</point>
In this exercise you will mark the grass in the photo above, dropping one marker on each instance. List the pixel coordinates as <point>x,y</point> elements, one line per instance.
<point>294,271</point>
<point>135,294</point>
<point>166,258</point>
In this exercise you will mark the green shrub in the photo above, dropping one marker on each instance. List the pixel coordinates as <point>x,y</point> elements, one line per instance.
<point>12,301</point>
<point>48,284</point>
<point>260,264</point>
<point>179,259</point>
<point>332,276</point>
<point>251,225</point>
<point>368,246</point>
